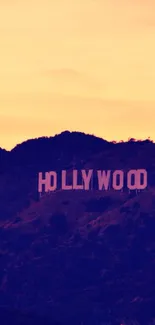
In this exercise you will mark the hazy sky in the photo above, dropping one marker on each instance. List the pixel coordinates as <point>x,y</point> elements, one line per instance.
<point>86,65</point>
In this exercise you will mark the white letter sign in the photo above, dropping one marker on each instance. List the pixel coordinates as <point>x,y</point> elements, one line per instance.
<point>118,174</point>
<point>103,179</point>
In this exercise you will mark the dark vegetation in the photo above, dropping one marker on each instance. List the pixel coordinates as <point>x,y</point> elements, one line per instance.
<point>59,223</point>
<point>8,317</point>
<point>98,205</point>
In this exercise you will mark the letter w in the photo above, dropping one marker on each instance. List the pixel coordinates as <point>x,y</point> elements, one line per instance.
<point>103,179</point>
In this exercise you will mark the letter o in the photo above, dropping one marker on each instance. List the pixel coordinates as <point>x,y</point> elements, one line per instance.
<point>51,175</point>
<point>119,186</point>
<point>135,186</point>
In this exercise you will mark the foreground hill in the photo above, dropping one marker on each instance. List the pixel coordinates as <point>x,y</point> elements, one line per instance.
<point>80,257</point>
<point>14,317</point>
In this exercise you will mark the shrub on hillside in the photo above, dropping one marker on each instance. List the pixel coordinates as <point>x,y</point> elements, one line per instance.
<point>59,223</point>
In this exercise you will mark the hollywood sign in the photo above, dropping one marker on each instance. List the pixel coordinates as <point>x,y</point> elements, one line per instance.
<point>134,179</point>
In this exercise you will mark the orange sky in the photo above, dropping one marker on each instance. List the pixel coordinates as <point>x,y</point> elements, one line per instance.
<point>86,65</point>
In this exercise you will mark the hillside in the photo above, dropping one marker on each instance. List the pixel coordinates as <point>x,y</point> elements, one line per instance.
<point>80,257</point>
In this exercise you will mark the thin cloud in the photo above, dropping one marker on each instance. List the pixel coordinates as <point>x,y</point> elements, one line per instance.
<point>70,80</point>
<point>60,72</point>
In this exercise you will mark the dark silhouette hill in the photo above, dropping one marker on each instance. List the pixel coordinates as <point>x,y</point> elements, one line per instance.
<point>54,151</point>
<point>79,257</point>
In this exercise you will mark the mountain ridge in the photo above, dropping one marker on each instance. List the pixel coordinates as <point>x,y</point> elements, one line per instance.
<point>72,133</point>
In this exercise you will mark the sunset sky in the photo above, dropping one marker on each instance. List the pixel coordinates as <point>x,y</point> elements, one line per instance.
<point>84,65</point>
